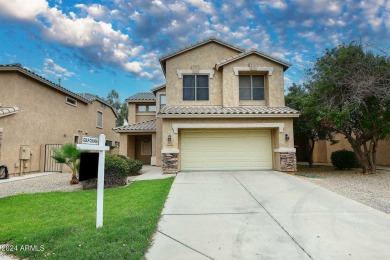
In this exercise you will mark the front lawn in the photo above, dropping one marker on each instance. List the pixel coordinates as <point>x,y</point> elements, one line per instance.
<point>63,223</point>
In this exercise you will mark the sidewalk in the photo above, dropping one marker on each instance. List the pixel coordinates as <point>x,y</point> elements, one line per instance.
<point>149,172</point>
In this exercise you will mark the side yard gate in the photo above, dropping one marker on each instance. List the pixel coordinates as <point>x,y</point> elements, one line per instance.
<point>50,164</point>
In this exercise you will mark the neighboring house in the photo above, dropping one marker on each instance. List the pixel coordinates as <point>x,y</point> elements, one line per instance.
<point>222,108</point>
<point>324,149</point>
<point>36,115</point>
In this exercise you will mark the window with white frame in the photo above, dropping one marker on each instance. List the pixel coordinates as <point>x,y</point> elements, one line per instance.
<point>251,87</point>
<point>99,119</point>
<point>71,101</point>
<point>195,87</point>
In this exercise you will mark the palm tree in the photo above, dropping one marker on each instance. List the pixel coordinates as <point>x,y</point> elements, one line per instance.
<point>69,155</point>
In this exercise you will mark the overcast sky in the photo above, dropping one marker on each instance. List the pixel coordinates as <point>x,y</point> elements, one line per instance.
<point>96,46</point>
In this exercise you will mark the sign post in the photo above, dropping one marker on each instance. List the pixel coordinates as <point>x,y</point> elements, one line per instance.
<point>92,143</point>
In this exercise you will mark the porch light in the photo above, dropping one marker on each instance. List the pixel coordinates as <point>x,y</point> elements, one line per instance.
<point>169,138</point>
<point>287,137</point>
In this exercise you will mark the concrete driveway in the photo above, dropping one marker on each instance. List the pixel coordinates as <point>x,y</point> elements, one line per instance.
<point>265,215</point>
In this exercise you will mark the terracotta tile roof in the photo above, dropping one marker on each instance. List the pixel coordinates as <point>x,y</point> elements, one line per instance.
<point>143,96</point>
<point>145,126</point>
<point>5,111</point>
<point>244,54</point>
<point>222,111</point>
<point>91,97</point>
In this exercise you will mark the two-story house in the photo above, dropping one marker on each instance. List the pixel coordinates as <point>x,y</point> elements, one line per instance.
<point>222,108</point>
<point>37,115</point>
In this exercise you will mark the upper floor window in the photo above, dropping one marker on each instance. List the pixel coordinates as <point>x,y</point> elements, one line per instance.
<point>251,87</point>
<point>163,100</point>
<point>146,108</point>
<point>195,87</point>
<point>71,101</point>
<point>99,119</point>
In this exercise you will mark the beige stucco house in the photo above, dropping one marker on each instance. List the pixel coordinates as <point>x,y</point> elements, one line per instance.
<point>36,115</point>
<point>222,108</point>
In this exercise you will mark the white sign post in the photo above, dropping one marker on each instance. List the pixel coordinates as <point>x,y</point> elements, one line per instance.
<point>90,144</point>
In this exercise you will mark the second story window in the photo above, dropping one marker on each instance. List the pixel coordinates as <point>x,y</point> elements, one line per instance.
<point>99,120</point>
<point>163,100</point>
<point>251,87</point>
<point>146,108</point>
<point>195,87</point>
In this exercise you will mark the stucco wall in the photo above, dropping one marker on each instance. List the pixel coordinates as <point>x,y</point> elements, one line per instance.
<point>44,118</point>
<point>324,149</point>
<point>134,116</point>
<point>274,85</point>
<point>206,57</point>
<point>278,139</point>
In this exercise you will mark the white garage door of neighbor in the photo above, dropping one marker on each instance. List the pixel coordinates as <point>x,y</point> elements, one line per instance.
<point>226,149</point>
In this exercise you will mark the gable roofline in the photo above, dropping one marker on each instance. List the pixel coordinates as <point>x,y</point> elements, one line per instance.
<point>163,59</point>
<point>92,97</point>
<point>19,68</point>
<point>155,89</point>
<point>284,63</point>
<point>141,97</point>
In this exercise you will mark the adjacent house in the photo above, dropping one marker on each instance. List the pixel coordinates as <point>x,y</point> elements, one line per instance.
<point>37,115</point>
<point>222,108</point>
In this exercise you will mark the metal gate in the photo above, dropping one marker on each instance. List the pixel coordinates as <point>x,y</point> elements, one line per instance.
<point>50,163</point>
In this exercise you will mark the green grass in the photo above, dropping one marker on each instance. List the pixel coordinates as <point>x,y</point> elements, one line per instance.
<point>64,222</point>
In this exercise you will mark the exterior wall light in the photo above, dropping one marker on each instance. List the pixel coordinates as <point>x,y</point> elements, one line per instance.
<point>287,137</point>
<point>169,138</point>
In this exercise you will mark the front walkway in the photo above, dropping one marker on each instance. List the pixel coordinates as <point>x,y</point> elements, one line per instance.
<point>149,172</point>
<point>265,215</point>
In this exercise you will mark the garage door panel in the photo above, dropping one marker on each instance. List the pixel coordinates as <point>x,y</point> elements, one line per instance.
<point>226,149</point>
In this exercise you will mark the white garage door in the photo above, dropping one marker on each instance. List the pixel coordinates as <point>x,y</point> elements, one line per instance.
<point>226,149</point>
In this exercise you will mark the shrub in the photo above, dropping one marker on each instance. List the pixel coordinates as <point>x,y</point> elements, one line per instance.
<point>116,170</point>
<point>343,159</point>
<point>135,167</point>
<point>115,173</point>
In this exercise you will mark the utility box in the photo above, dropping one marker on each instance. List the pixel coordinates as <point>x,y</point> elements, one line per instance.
<point>25,152</point>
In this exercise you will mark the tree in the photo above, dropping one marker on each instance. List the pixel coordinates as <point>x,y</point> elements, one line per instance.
<point>121,108</point>
<point>69,155</point>
<point>352,87</point>
<point>307,127</point>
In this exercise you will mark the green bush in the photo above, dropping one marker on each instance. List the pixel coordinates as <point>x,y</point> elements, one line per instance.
<point>116,166</point>
<point>343,159</point>
<point>116,170</point>
<point>134,167</point>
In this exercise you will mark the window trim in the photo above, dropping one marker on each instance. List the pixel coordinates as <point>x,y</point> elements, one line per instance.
<point>97,117</point>
<point>196,87</point>
<point>69,103</point>
<point>251,87</point>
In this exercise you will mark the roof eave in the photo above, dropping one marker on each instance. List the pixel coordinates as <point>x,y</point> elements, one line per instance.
<point>134,131</point>
<point>284,64</point>
<point>44,81</point>
<point>228,115</point>
<point>140,101</point>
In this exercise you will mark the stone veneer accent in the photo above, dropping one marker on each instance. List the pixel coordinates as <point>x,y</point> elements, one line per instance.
<point>288,162</point>
<point>170,162</point>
